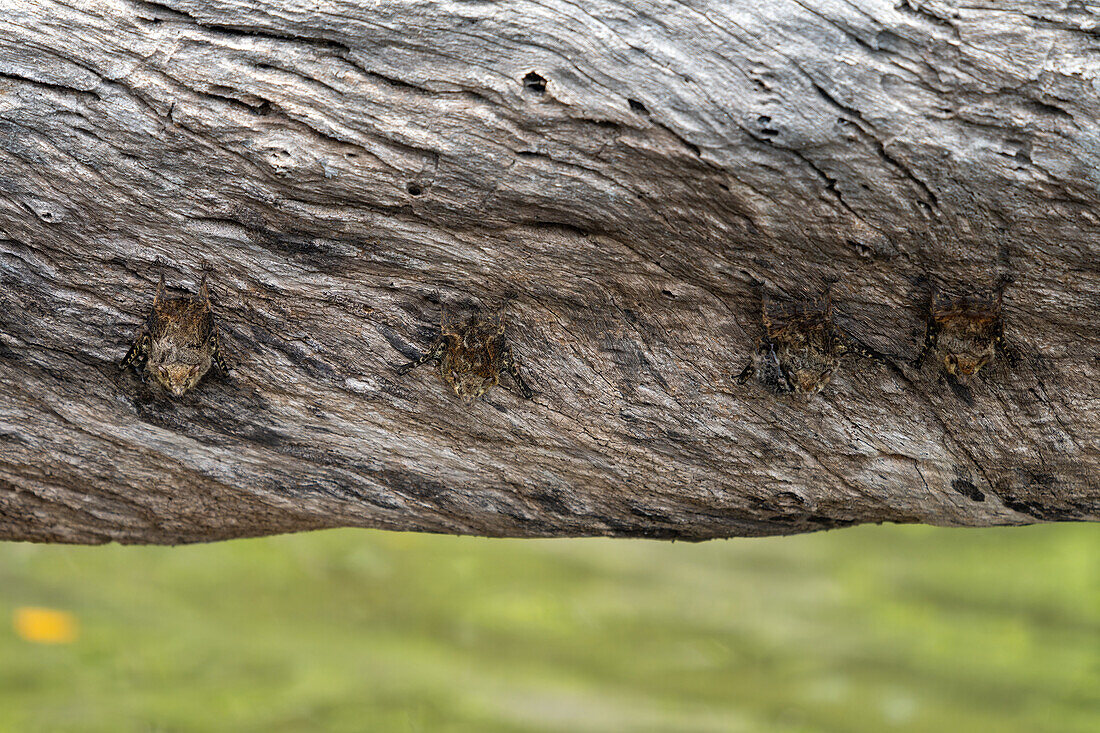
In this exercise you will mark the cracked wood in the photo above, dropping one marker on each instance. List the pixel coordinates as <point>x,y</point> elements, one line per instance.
<point>625,173</point>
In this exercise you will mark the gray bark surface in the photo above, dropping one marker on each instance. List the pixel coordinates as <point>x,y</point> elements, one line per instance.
<point>623,173</point>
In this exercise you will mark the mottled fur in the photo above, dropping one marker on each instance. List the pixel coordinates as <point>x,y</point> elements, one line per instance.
<point>178,342</point>
<point>800,349</point>
<point>966,331</point>
<point>471,357</point>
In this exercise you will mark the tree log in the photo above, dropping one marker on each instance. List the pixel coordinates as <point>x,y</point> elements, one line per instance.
<point>624,175</point>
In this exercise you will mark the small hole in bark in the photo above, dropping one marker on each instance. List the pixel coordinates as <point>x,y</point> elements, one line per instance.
<point>351,155</point>
<point>766,131</point>
<point>414,190</point>
<point>534,83</point>
<point>667,294</point>
<point>968,489</point>
<point>638,107</point>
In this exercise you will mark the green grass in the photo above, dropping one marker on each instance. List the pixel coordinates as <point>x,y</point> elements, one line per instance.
<point>867,629</point>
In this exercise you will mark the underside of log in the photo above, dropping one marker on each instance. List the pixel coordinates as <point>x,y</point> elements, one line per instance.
<point>628,179</point>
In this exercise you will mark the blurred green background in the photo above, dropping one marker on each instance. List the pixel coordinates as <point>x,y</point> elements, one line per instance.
<point>866,629</point>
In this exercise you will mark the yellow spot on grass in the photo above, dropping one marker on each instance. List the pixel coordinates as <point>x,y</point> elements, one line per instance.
<point>45,625</point>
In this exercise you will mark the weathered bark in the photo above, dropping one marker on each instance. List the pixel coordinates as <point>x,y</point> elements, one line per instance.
<point>625,171</point>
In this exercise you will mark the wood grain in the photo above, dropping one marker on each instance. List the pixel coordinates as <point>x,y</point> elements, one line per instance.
<point>623,174</point>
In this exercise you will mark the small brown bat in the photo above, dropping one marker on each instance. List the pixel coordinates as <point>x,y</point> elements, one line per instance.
<point>801,347</point>
<point>178,342</point>
<point>967,330</point>
<point>471,357</point>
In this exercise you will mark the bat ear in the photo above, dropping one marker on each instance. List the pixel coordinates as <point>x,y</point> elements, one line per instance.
<point>204,289</point>
<point>162,292</point>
